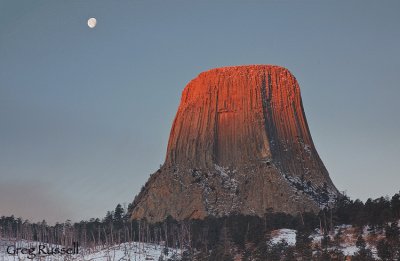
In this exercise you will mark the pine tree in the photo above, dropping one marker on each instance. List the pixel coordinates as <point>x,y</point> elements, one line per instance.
<point>337,237</point>
<point>186,256</point>
<point>325,256</point>
<point>393,236</point>
<point>118,217</point>
<point>290,254</point>
<point>336,255</point>
<point>219,254</point>
<point>246,255</point>
<point>303,244</point>
<point>363,254</point>
<point>395,204</point>
<point>166,251</point>
<point>276,251</point>
<point>385,251</point>
<point>261,251</point>
<point>392,233</point>
<point>326,241</point>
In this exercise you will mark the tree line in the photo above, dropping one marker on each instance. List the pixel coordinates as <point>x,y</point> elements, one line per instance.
<point>221,238</point>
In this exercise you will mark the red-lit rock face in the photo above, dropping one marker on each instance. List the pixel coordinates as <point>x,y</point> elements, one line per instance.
<point>238,125</point>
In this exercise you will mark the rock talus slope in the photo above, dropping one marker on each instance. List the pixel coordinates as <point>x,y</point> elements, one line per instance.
<point>239,143</point>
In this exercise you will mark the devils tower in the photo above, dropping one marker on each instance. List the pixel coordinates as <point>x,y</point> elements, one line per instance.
<point>239,143</point>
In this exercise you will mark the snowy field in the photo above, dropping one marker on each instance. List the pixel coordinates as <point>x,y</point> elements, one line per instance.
<point>134,251</point>
<point>287,235</point>
<point>348,238</point>
<point>126,251</point>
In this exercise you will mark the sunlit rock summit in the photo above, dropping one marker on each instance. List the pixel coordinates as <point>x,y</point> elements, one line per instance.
<point>239,143</point>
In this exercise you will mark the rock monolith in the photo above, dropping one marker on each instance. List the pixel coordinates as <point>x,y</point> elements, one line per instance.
<point>239,143</point>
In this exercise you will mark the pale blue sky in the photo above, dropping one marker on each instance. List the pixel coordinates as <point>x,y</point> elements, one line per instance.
<point>85,114</point>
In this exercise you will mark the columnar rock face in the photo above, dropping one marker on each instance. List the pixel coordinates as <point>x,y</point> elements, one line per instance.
<point>239,143</point>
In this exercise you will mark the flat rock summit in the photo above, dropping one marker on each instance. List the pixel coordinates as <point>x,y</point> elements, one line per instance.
<point>239,143</point>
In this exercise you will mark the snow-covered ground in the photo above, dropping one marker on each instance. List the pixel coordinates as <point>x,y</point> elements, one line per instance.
<point>347,239</point>
<point>127,251</point>
<point>287,235</point>
<point>134,251</point>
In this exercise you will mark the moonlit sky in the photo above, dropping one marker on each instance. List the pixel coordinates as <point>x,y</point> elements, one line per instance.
<point>85,114</point>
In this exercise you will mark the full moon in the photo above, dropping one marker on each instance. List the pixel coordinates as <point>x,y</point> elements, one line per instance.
<point>92,22</point>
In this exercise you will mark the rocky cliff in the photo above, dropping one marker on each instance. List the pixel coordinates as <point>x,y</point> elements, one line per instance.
<point>239,143</point>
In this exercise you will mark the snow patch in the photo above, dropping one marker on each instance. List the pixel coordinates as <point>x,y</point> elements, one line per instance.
<point>287,235</point>
<point>125,251</point>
